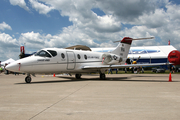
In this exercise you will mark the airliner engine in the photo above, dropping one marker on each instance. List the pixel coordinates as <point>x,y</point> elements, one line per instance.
<point>174,57</point>
<point>109,59</point>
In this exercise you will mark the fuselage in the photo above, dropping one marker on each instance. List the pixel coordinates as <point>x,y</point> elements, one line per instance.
<point>54,60</point>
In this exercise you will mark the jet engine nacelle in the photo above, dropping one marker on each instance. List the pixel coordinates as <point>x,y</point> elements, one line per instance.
<point>174,57</point>
<point>109,59</point>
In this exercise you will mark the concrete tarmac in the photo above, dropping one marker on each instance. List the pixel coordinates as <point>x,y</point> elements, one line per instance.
<point>121,96</point>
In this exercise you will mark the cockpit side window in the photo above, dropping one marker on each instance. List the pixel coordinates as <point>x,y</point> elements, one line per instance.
<point>43,53</point>
<point>53,53</point>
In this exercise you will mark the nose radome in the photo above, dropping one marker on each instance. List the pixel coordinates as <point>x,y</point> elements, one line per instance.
<point>14,67</point>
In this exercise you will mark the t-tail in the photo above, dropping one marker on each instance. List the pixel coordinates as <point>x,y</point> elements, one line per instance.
<point>123,47</point>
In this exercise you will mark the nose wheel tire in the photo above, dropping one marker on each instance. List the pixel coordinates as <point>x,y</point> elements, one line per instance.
<point>28,79</point>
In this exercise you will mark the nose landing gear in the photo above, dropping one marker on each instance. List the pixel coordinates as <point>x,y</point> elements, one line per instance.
<point>28,79</point>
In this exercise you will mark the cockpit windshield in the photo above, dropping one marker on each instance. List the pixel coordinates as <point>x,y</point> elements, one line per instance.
<point>53,53</point>
<point>43,53</point>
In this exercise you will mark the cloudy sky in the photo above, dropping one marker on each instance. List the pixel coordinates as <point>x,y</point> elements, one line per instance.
<point>95,23</point>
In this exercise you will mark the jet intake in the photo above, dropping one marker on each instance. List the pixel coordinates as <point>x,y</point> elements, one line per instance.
<point>109,59</point>
<point>174,57</point>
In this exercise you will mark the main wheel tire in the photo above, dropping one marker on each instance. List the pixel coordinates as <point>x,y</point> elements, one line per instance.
<point>78,76</point>
<point>28,79</point>
<point>102,76</point>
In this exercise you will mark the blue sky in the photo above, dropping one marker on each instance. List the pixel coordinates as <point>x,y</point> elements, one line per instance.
<point>23,21</point>
<point>57,23</point>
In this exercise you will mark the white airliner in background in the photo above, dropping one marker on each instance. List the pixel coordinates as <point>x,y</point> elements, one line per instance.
<point>7,62</point>
<point>56,60</point>
<point>4,63</point>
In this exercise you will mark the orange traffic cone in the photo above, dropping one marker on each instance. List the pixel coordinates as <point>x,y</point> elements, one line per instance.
<point>170,78</point>
<point>54,75</point>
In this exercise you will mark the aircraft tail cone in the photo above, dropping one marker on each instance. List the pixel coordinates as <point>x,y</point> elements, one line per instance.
<point>54,75</point>
<point>170,78</point>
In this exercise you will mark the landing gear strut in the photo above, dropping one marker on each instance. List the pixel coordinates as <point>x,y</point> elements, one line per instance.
<point>78,76</point>
<point>102,76</point>
<point>28,79</point>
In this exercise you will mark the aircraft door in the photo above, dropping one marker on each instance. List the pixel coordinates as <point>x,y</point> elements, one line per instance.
<point>70,60</point>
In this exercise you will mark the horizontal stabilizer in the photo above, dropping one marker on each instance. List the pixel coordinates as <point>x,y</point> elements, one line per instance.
<point>144,38</point>
<point>129,40</point>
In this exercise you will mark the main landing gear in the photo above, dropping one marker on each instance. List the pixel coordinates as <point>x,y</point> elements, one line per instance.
<point>78,76</point>
<point>28,79</point>
<point>102,76</point>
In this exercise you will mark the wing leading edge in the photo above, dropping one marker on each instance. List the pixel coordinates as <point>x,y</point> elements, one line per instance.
<point>121,66</point>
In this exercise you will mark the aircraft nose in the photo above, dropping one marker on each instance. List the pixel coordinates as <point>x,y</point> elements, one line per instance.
<point>14,67</point>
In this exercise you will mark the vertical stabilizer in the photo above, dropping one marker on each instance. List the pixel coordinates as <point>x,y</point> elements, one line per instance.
<point>124,45</point>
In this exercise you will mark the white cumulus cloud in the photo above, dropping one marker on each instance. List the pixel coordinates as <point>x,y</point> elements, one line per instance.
<point>4,26</point>
<point>9,47</point>
<point>20,3</point>
<point>121,18</point>
<point>32,40</point>
<point>40,7</point>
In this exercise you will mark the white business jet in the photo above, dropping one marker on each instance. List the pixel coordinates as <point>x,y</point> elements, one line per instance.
<point>55,60</point>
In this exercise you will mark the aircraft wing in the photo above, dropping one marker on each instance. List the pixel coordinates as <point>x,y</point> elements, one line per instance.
<point>122,66</point>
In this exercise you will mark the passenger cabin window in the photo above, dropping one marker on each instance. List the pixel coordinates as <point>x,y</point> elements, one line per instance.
<point>62,55</point>
<point>53,53</point>
<point>43,53</point>
<point>79,57</point>
<point>85,57</point>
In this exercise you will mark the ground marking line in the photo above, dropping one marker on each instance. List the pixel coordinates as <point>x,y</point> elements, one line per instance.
<point>58,102</point>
